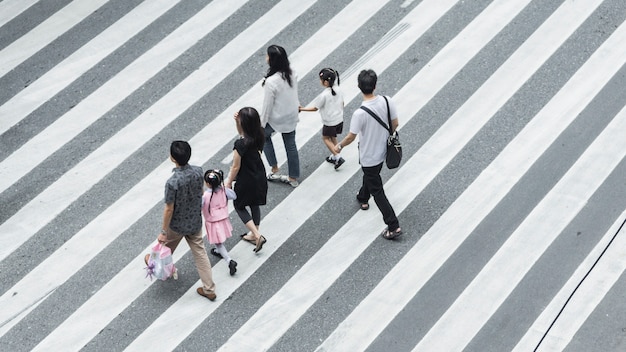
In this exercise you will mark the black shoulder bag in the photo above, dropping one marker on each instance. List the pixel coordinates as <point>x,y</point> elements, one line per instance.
<point>394,148</point>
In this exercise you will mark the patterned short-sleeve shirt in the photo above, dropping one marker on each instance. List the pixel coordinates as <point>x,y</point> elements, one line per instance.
<point>185,188</point>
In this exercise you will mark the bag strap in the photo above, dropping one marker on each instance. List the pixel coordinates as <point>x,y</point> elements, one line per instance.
<point>387,127</point>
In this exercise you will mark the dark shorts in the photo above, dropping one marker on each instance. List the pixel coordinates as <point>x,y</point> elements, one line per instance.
<point>332,131</point>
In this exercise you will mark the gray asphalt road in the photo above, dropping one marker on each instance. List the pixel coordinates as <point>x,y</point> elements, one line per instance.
<point>511,194</point>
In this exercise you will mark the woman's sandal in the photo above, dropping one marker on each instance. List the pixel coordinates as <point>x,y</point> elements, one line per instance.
<point>252,241</point>
<point>391,235</point>
<point>259,244</point>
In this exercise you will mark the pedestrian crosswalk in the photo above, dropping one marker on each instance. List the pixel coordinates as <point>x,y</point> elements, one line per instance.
<point>511,117</point>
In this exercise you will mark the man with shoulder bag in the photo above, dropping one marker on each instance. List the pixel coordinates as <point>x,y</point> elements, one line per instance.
<point>373,136</point>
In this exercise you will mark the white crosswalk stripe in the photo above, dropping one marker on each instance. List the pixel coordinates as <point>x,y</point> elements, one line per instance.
<point>73,234</point>
<point>45,33</point>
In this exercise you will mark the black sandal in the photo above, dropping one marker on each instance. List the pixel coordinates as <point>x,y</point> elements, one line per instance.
<point>364,206</point>
<point>391,235</point>
<point>259,244</point>
<point>243,237</point>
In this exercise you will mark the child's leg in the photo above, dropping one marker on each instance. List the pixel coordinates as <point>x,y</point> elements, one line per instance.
<point>221,249</point>
<point>330,143</point>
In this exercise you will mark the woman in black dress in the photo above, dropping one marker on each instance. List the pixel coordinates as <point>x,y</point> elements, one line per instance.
<point>249,173</point>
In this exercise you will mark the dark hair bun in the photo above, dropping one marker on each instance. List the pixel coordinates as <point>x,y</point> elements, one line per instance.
<point>214,177</point>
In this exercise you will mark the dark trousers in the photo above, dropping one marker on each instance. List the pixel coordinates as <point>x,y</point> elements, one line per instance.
<point>373,186</point>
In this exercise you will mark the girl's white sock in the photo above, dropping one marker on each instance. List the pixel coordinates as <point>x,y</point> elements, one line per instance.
<point>222,250</point>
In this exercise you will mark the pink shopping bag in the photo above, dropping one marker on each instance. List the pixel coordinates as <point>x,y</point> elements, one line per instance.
<point>160,264</point>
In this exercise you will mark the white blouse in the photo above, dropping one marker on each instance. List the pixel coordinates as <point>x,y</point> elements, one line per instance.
<point>280,105</point>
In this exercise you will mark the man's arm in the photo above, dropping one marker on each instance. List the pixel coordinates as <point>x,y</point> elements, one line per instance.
<point>349,138</point>
<point>168,211</point>
<point>394,124</point>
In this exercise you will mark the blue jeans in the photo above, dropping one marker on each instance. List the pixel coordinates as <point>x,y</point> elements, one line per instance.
<point>289,139</point>
<point>373,186</point>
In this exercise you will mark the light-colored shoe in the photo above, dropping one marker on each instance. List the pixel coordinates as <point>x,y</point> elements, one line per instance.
<point>292,183</point>
<point>274,176</point>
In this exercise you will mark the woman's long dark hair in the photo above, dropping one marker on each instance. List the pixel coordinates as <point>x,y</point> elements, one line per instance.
<point>278,62</point>
<point>251,127</point>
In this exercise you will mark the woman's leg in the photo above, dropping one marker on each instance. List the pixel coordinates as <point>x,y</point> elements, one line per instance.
<point>249,221</point>
<point>293,161</point>
<point>268,149</point>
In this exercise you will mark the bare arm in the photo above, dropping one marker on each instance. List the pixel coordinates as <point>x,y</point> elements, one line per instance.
<point>168,211</point>
<point>311,109</point>
<point>349,138</point>
<point>394,125</point>
<point>234,169</point>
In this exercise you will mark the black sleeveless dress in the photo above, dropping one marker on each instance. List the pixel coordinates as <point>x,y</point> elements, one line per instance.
<point>251,185</point>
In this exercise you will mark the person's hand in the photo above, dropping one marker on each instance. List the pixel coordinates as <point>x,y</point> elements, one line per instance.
<point>228,183</point>
<point>162,238</point>
<point>236,117</point>
<point>337,149</point>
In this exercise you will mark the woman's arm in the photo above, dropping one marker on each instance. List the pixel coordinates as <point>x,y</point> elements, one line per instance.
<point>311,109</point>
<point>234,169</point>
<point>268,101</point>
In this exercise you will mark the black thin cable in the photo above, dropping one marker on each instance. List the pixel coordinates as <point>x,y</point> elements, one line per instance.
<point>578,285</point>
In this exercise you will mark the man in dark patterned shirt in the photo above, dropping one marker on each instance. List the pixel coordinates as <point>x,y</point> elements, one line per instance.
<point>182,216</point>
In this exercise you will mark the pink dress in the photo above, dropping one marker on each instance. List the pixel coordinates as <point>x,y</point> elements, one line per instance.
<point>216,221</point>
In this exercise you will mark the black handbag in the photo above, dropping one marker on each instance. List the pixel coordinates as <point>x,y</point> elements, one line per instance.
<point>394,148</point>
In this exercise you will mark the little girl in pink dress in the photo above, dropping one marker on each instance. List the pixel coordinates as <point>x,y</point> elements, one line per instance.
<point>215,212</point>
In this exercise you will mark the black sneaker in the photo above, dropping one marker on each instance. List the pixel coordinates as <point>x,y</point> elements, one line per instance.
<point>339,162</point>
<point>232,265</point>
<point>330,160</point>
<point>215,252</point>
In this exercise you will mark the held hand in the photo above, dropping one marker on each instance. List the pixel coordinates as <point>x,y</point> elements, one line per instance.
<point>162,238</point>
<point>337,148</point>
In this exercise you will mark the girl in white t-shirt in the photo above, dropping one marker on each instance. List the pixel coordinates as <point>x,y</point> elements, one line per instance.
<point>330,105</point>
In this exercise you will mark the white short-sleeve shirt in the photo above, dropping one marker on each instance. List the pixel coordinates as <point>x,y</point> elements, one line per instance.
<point>372,136</point>
<point>330,106</point>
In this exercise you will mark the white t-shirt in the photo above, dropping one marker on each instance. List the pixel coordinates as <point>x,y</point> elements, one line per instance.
<point>330,106</point>
<point>372,136</point>
<point>281,103</point>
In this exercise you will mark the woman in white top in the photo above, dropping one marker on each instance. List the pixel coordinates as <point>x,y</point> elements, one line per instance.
<point>280,113</point>
<point>330,105</point>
